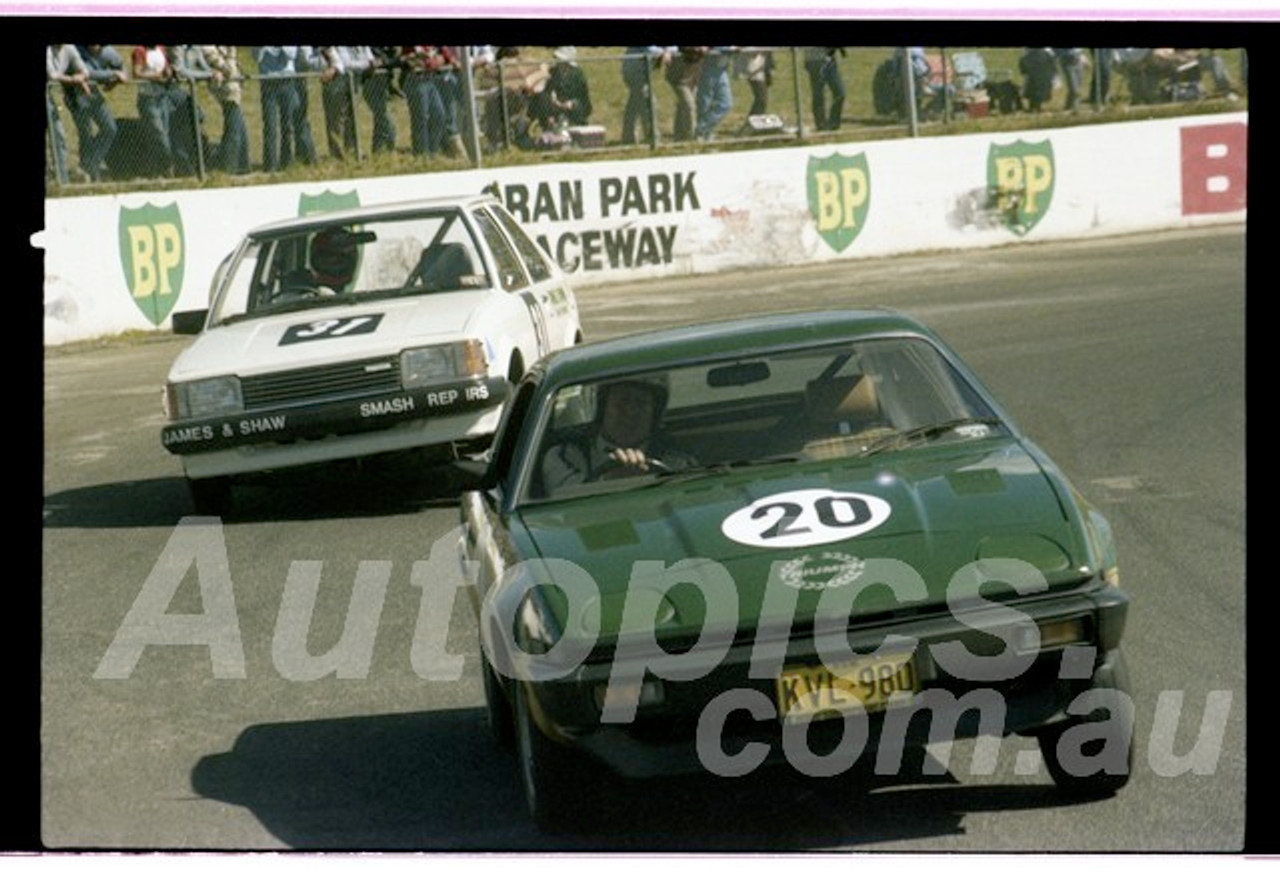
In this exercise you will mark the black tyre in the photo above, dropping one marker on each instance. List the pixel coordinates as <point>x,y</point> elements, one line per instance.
<point>1080,769</point>
<point>210,496</point>
<point>497,708</point>
<point>554,787</point>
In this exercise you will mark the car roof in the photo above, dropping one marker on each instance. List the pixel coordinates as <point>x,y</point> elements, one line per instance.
<point>725,338</point>
<point>365,212</point>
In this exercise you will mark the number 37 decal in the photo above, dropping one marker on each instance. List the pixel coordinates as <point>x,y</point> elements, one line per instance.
<point>334,327</point>
<point>805,518</point>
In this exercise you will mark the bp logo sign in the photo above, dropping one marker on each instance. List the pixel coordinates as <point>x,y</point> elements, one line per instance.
<point>1020,180</point>
<point>152,248</point>
<point>327,201</point>
<point>839,188</point>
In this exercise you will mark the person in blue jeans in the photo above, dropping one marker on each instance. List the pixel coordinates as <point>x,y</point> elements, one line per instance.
<point>427,112</point>
<point>282,111</point>
<point>637,70</point>
<point>375,86</point>
<point>823,68</point>
<point>715,96</point>
<point>153,71</point>
<point>225,86</point>
<point>95,123</point>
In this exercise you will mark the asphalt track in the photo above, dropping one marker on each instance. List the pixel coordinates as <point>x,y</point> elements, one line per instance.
<point>1123,357</point>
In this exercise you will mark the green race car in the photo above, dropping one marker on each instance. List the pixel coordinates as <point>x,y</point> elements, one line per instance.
<point>809,537</point>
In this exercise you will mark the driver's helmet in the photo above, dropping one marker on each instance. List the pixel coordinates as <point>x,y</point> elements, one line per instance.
<point>333,257</point>
<point>657,383</point>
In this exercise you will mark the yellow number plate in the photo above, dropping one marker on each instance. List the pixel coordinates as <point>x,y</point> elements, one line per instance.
<point>865,683</point>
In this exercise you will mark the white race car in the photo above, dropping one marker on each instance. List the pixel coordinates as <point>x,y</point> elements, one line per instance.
<point>360,332</point>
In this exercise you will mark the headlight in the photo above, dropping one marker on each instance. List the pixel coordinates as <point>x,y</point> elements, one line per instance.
<point>420,367</point>
<point>204,397</point>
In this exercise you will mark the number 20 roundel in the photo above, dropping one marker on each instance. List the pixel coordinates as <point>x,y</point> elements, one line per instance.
<point>801,518</point>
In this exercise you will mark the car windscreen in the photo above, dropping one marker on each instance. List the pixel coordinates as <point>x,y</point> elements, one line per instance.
<point>842,400</point>
<point>372,259</point>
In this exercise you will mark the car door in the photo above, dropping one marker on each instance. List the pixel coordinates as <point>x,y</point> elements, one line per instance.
<point>514,279</point>
<point>546,283</point>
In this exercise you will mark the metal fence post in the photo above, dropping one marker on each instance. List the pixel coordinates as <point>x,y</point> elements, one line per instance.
<point>799,100</point>
<point>197,133</point>
<point>909,93</point>
<point>652,110</point>
<point>473,110</point>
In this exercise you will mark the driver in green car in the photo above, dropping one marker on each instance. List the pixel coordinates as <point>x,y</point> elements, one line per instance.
<point>624,440</point>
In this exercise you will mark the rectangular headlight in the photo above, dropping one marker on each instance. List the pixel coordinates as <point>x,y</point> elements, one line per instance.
<point>420,367</point>
<point>1052,634</point>
<point>205,397</point>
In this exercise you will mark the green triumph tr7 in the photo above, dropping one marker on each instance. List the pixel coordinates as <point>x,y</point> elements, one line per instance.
<point>809,537</point>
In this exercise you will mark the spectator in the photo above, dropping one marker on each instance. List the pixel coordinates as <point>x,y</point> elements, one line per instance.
<point>507,110</point>
<point>483,84</point>
<point>1038,68</point>
<point>185,123</point>
<point>153,70</point>
<point>1100,83</point>
<point>232,153</point>
<point>336,73</point>
<point>427,124</point>
<point>568,95</point>
<point>637,67</point>
<point>449,82</point>
<point>282,108</point>
<point>715,91</point>
<point>683,74</point>
<point>304,146</point>
<point>57,132</point>
<point>755,65</point>
<point>1217,67</point>
<point>375,86</point>
<point>824,75</point>
<point>1072,62</point>
<point>94,122</point>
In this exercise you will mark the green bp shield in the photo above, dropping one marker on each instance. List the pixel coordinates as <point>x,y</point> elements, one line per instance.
<point>152,252</point>
<point>327,201</point>
<point>1020,179</point>
<point>839,190</point>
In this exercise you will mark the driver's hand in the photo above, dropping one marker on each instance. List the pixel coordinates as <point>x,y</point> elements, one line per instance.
<point>630,457</point>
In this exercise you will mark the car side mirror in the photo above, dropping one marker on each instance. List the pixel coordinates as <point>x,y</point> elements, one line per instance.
<point>189,322</point>
<point>473,474</point>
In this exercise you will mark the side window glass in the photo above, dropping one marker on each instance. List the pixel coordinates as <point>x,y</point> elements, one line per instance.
<point>534,260</point>
<point>510,273</point>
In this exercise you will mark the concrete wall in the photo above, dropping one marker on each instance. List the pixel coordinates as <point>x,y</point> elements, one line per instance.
<point>126,262</point>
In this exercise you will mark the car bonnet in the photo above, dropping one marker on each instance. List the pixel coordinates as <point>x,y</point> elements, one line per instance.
<point>917,521</point>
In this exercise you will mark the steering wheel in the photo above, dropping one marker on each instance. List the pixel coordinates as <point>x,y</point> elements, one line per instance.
<point>613,469</point>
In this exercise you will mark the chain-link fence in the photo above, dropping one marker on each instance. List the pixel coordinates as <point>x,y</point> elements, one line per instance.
<point>395,118</point>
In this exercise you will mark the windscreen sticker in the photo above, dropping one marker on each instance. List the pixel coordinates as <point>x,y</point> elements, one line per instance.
<point>335,327</point>
<point>801,518</point>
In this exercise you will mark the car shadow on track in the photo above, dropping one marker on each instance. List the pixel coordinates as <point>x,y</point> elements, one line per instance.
<point>434,782</point>
<point>352,490</point>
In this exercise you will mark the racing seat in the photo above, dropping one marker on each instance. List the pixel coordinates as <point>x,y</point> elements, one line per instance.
<point>844,413</point>
<point>443,268</point>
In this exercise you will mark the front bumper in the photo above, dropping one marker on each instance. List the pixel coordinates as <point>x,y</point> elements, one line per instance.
<point>663,739</point>
<point>265,439</point>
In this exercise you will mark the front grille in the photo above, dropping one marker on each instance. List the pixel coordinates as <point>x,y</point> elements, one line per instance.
<point>359,378</point>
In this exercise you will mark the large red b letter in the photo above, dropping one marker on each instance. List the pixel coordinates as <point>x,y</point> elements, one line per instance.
<point>1214,168</point>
